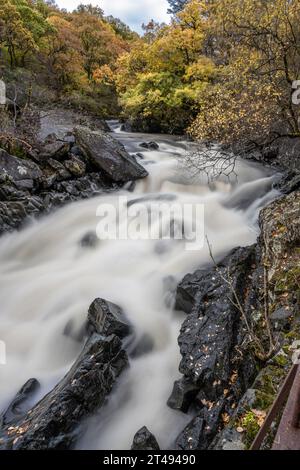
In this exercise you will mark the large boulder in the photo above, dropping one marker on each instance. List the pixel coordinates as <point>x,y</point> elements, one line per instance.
<point>109,155</point>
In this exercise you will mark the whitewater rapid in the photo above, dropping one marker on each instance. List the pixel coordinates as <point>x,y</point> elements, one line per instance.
<point>48,280</point>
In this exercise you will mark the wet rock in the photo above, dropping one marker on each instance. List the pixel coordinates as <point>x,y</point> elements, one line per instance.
<point>75,332</point>
<point>69,138</point>
<point>183,395</point>
<point>61,172</point>
<point>140,155</point>
<point>108,155</point>
<point>229,439</point>
<point>75,166</point>
<point>50,138</point>
<point>107,318</point>
<point>144,440</point>
<point>18,408</point>
<point>90,240</point>
<point>126,127</point>
<point>150,145</point>
<point>144,346</point>
<point>75,150</point>
<point>170,284</point>
<point>20,171</point>
<point>54,422</point>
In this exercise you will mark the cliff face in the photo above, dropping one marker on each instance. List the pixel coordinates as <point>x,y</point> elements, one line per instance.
<point>242,327</point>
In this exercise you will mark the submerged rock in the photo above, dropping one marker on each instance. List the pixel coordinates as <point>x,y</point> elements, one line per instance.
<point>108,155</point>
<point>144,440</point>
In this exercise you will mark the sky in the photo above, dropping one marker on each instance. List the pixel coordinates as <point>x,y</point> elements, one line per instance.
<point>132,12</point>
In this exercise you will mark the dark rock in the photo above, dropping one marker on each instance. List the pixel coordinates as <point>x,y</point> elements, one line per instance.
<point>62,172</point>
<point>190,437</point>
<point>144,346</point>
<point>188,290</point>
<point>107,318</point>
<point>140,155</point>
<point>18,170</point>
<point>150,145</point>
<point>75,166</point>
<point>289,182</point>
<point>75,150</point>
<point>51,138</point>
<point>90,240</point>
<point>17,408</point>
<point>144,440</point>
<point>54,422</point>
<point>200,432</point>
<point>109,155</point>
<point>170,284</point>
<point>184,393</point>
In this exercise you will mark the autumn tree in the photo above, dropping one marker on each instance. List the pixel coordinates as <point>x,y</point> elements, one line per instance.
<point>161,78</point>
<point>259,58</point>
<point>176,5</point>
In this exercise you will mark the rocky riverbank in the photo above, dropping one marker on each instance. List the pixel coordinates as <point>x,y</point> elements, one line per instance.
<point>76,162</point>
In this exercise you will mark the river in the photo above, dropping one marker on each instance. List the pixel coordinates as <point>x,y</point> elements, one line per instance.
<point>48,280</point>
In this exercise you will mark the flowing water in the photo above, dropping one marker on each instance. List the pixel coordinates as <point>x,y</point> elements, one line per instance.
<point>48,280</point>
